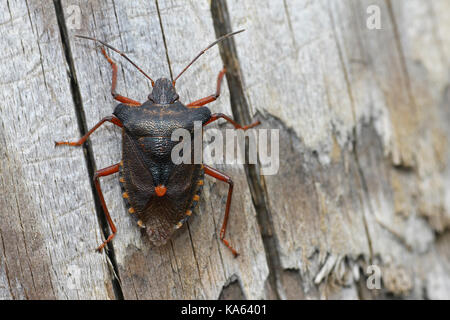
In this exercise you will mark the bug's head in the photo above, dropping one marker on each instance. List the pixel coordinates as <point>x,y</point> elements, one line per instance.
<point>163,89</point>
<point>163,92</point>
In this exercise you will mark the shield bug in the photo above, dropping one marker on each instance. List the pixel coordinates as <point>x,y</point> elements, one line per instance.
<point>161,195</point>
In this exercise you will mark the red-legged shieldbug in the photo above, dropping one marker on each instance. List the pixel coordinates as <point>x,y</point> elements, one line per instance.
<point>161,195</point>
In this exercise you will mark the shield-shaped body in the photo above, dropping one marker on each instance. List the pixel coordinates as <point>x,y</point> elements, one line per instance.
<point>146,164</point>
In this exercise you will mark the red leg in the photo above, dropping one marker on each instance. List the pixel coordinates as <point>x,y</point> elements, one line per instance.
<point>222,177</point>
<point>116,96</point>
<point>211,98</point>
<point>102,173</point>
<point>83,139</point>
<point>217,116</point>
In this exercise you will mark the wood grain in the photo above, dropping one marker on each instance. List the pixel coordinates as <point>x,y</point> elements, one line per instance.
<point>348,95</point>
<point>48,227</point>
<point>363,117</point>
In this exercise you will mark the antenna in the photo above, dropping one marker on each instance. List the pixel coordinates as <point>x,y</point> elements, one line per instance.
<point>119,52</point>
<point>204,50</point>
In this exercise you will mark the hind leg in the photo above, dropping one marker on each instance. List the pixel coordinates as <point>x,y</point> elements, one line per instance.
<point>223,177</point>
<point>103,173</point>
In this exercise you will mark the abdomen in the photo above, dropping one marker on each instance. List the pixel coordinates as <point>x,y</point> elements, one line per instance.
<point>147,164</point>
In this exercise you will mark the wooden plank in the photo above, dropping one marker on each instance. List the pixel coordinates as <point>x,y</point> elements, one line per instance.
<point>364,173</point>
<point>48,228</point>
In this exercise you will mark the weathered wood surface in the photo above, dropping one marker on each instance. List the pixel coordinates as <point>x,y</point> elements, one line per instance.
<point>48,222</point>
<point>364,173</point>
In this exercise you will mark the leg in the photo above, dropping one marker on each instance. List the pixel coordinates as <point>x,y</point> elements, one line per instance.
<point>211,98</point>
<point>83,139</point>
<point>102,173</point>
<point>116,96</point>
<point>222,177</point>
<point>217,116</point>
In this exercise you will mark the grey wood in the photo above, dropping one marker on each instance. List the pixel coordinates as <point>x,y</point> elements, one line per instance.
<point>363,118</point>
<point>48,226</point>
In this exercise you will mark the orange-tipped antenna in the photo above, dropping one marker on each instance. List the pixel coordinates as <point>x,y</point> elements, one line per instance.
<point>119,52</point>
<point>204,50</point>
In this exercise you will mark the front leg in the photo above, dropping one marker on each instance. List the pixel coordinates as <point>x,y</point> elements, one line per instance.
<point>211,98</point>
<point>115,95</point>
